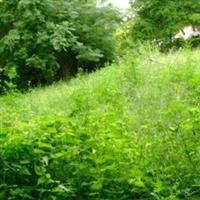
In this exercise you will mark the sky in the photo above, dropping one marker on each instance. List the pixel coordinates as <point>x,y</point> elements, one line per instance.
<point>120,3</point>
<point>123,4</point>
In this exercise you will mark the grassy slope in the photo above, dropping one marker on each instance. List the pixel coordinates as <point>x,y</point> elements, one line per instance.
<point>129,131</point>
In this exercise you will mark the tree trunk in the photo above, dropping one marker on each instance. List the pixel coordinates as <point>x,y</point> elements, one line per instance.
<point>68,64</point>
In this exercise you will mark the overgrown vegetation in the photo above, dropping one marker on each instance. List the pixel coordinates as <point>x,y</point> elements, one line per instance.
<point>129,131</point>
<point>160,21</point>
<point>43,41</point>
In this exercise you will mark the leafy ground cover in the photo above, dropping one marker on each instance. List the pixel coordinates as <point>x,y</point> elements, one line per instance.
<point>128,131</point>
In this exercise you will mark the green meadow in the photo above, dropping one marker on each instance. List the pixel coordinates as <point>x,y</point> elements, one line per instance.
<point>130,130</point>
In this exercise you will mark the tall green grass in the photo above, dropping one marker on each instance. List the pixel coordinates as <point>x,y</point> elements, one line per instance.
<point>128,131</point>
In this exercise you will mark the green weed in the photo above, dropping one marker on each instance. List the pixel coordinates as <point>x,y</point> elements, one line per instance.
<point>128,131</point>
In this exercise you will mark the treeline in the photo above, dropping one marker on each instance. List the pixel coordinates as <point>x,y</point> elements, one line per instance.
<point>159,21</point>
<point>44,41</point>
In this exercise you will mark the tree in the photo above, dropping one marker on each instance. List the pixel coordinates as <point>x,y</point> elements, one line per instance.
<point>161,19</point>
<point>42,41</point>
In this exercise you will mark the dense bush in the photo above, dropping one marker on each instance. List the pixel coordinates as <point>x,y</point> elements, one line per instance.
<point>42,41</point>
<point>126,132</point>
<point>180,43</point>
<point>161,20</point>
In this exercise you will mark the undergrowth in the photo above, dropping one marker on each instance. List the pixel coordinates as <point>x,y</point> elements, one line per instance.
<point>128,131</point>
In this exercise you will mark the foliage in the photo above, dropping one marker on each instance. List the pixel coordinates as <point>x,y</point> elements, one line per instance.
<point>125,132</point>
<point>123,36</point>
<point>42,41</point>
<point>157,19</point>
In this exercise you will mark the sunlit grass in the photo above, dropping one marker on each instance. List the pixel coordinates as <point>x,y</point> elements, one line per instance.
<point>128,131</point>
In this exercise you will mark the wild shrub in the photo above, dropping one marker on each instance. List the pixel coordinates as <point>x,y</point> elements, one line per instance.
<point>162,20</point>
<point>125,132</point>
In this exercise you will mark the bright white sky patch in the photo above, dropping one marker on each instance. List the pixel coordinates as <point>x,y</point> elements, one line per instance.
<point>120,3</point>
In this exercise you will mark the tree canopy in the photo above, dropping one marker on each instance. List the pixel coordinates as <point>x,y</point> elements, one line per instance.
<point>41,41</point>
<point>156,19</point>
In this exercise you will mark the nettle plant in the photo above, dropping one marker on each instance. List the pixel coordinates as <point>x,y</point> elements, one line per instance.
<point>42,41</point>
